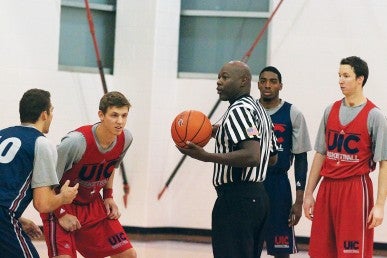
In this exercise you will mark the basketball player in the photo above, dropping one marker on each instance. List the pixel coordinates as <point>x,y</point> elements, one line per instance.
<point>88,156</point>
<point>351,139</point>
<point>27,166</point>
<point>244,141</point>
<point>293,140</point>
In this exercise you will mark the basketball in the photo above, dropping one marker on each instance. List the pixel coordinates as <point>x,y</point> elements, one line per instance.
<point>193,126</point>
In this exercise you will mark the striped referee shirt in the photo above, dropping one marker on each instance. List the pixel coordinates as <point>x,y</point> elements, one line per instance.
<point>245,119</point>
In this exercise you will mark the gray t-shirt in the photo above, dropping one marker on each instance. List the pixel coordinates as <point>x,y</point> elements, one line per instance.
<point>376,124</point>
<point>44,164</point>
<point>300,135</point>
<point>73,146</point>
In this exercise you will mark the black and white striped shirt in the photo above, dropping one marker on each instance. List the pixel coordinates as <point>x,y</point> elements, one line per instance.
<point>244,119</point>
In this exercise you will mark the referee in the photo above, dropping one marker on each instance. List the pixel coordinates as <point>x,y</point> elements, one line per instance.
<point>245,146</point>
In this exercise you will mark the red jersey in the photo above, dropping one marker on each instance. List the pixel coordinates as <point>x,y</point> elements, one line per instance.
<point>349,147</point>
<point>94,169</point>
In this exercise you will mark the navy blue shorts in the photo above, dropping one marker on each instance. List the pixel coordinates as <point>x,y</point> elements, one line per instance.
<point>279,237</point>
<point>13,241</point>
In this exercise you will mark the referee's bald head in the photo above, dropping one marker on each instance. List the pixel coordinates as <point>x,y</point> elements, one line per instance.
<point>242,70</point>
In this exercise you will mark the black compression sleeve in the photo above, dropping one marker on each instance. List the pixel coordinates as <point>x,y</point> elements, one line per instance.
<point>300,170</point>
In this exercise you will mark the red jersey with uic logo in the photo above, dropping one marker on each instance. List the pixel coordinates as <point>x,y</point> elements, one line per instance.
<point>349,147</point>
<point>94,169</point>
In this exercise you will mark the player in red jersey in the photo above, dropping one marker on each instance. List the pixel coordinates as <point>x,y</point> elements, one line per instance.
<point>351,139</point>
<point>88,156</point>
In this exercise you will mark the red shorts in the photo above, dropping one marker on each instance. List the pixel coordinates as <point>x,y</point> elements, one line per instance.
<point>97,237</point>
<point>339,227</point>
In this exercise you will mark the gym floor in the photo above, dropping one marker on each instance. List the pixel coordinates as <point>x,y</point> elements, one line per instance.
<point>171,249</point>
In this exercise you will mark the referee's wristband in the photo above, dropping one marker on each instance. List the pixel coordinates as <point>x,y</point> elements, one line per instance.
<point>107,193</point>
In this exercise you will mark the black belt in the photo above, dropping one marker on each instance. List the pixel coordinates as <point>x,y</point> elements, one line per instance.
<point>246,189</point>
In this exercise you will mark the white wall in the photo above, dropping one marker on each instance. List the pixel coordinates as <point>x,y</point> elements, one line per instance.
<point>307,40</point>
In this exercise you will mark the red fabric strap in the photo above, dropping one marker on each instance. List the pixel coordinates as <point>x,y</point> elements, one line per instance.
<point>107,193</point>
<point>60,212</point>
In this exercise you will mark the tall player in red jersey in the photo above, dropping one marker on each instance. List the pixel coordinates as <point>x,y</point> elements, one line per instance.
<point>351,139</point>
<point>88,156</point>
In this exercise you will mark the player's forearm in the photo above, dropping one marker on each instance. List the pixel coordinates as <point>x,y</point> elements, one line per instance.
<point>248,154</point>
<point>299,197</point>
<point>240,158</point>
<point>314,175</point>
<point>273,160</point>
<point>109,184</point>
<point>382,184</point>
<point>46,200</point>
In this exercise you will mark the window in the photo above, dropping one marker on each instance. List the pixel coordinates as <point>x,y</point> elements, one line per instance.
<point>76,49</point>
<point>213,32</point>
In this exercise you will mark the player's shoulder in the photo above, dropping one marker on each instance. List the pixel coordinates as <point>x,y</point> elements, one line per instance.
<point>286,106</point>
<point>44,146</point>
<point>74,135</point>
<point>328,108</point>
<point>43,141</point>
<point>377,113</point>
<point>294,109</point>
<point>73,138</point>
<point>128,134</point>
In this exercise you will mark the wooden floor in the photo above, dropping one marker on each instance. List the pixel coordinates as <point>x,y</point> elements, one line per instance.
<point>165,249</point>
<point>171,249</point>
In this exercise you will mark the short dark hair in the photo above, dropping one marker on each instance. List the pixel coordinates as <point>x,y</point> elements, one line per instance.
<point>273,70</point>
<point>113,99</point>
<point>32,104</point>
<point>359,66</point>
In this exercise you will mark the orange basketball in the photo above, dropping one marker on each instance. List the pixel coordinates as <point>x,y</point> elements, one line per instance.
<point>193,126</point>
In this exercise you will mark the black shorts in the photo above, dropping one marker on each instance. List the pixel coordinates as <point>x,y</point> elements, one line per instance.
<point>238,220</point>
